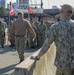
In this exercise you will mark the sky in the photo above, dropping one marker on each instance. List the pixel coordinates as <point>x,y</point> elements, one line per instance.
<point>47,4</point>
<point>11,1</point>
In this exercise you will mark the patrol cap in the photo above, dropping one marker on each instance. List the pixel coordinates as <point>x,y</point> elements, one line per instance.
<point>67,8</point>
<point>20,13</point>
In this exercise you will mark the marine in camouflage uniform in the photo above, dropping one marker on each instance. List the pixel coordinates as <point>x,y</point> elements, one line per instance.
<point>41,31</point>
<point>28,34</point>
<point>11,40</point>
<point>2,34</point>
<point>62,33</point>
<point>33,44</point>
<point>19,28</point>
<point>30,43</point>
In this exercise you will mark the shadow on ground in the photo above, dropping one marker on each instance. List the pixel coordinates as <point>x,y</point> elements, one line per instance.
<point>6,49</point>
<point>6,69</point>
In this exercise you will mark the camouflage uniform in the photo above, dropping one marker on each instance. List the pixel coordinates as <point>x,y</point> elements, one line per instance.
<point>28,39</point>
<point>48,24</point>
<point>30,42</point>
<point>63,71</point>
<point>2,33</point>
<point>20,45</point>
<point>62,33</point>
<point>33,44</point>
<point>41,31</point>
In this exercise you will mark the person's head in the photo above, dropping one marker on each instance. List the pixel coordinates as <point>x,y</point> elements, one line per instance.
<point>20,15</point>
<point>66,11</point>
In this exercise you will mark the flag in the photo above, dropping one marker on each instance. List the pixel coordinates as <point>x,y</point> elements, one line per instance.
<point>11,12</point>
<point>30,10</point>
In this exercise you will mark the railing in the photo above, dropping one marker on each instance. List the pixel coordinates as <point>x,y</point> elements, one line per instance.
<point>45,66</point>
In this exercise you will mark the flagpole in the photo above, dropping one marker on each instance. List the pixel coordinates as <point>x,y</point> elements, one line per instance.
<point>41,4</point>
<point>28,13</point>
<point>9,12</point>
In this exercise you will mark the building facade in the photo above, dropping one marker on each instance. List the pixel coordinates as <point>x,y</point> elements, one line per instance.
<point>22,1</point>
<point>3,3</point>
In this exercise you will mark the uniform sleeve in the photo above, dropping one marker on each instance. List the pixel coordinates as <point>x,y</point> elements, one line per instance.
<point>50,36</point>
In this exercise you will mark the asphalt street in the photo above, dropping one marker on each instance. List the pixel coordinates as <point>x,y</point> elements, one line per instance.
<point>9,58</point>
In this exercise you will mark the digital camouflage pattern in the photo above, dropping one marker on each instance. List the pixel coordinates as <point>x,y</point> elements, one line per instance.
<point>63,71</point>
<point>2,33</point>
<point>62,33</point>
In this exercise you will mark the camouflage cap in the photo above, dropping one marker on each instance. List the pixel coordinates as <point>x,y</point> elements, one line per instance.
<point>66,8</point>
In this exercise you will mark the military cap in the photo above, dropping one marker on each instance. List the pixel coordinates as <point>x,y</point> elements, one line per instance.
<point>67,8</point>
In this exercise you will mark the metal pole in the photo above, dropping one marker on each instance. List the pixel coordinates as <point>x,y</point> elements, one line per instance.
<point>41,3</point>
<point>9,12</point>
<point>8,24</point>
<point>41,7</point>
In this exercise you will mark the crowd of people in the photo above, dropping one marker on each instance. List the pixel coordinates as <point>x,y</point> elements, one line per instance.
<point>25,33</point>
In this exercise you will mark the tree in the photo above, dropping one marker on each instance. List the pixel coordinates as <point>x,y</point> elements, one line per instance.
<point>3,11</point>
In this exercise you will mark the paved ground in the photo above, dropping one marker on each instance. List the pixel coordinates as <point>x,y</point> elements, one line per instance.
<point>9,58</point>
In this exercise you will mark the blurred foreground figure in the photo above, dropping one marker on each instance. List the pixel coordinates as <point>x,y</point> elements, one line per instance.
<point>62,34</point>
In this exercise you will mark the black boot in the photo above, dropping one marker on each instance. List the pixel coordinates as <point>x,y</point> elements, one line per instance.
<point>2,46</point>
<point>21,60</point>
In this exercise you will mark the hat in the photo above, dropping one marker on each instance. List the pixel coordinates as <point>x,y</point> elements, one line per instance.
<point>66,8</point>
<point>20,13</point>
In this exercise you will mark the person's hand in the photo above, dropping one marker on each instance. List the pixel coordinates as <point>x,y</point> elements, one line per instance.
<point>35,57</point>
<point>34,38</point>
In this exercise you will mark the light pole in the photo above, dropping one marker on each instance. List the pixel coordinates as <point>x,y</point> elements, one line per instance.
<point>9,12</point>
<point>41,7</point>
<point>41,3</point>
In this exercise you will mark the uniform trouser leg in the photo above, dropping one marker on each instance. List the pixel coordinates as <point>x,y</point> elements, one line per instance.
<point>2,41</point>
<point>20,46</point>
<point>39,40</point>
<point>42,39</point>
<point>64,71</point>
